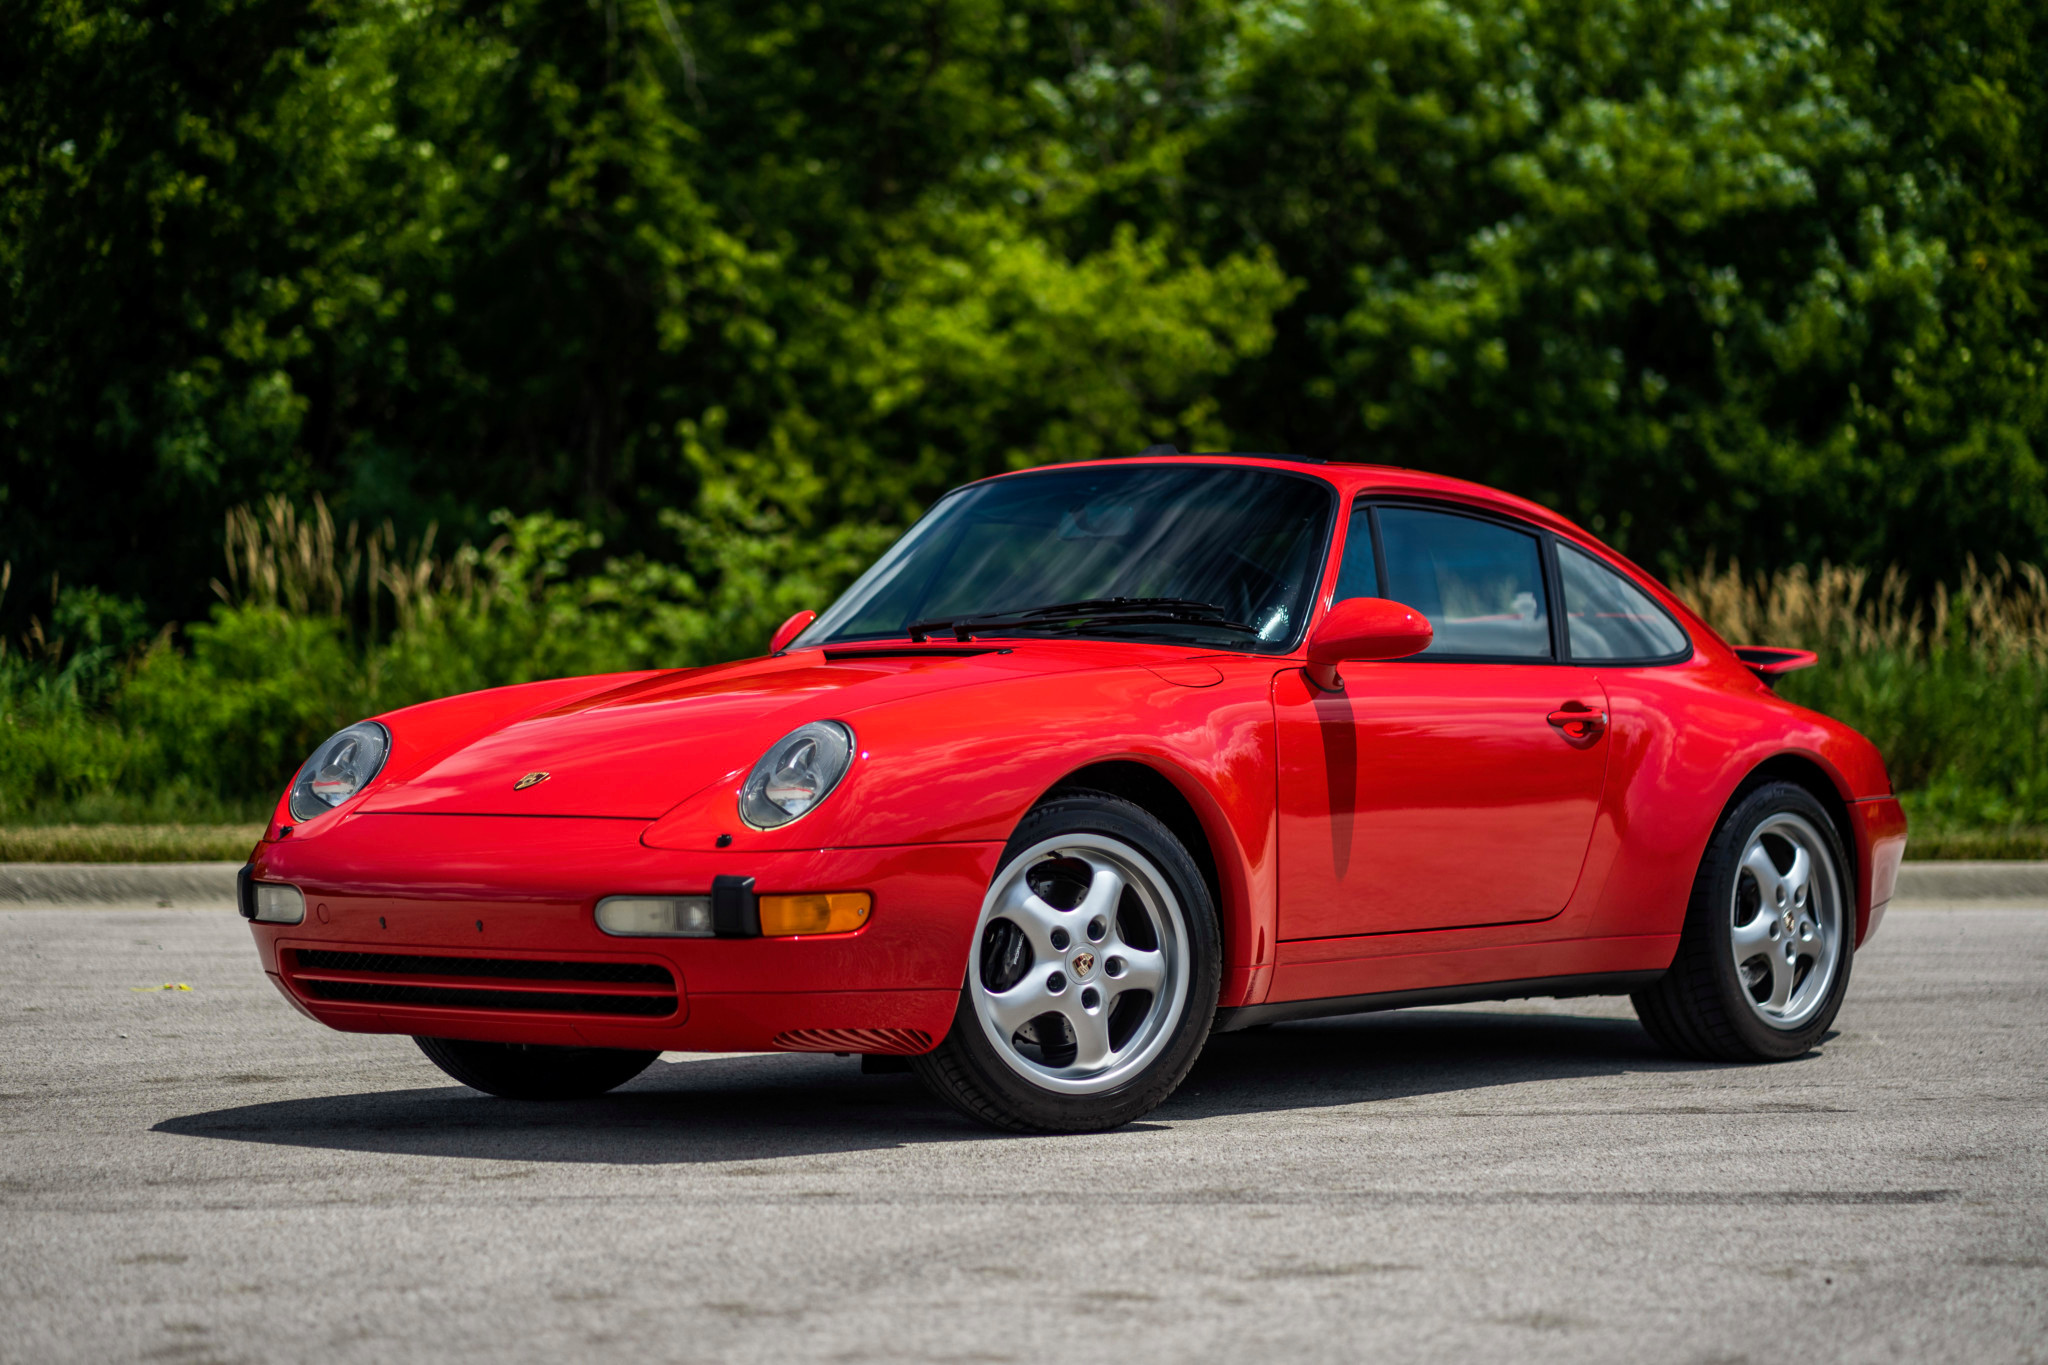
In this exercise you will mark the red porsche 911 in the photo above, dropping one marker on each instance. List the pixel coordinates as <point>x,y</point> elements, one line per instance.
<point>1097,760</point>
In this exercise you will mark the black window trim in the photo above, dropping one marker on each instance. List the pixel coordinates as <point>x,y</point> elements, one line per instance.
<point>1553,585</point>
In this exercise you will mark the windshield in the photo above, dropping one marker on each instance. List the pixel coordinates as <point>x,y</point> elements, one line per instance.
<point>1218,556</point>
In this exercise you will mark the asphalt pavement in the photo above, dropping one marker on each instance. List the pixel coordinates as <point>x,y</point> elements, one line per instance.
<point>197,1175</point>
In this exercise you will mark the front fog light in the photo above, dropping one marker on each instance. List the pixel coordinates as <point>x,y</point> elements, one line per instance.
<point>276,904</point>
<point>655,916</point>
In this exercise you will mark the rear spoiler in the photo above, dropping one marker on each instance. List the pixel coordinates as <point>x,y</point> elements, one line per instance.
<point>1770,663</point>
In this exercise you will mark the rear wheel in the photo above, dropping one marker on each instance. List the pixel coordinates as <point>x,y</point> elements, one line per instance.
<point>1094,975</point>
<point>1763,962</point>
<point>530,1071</point>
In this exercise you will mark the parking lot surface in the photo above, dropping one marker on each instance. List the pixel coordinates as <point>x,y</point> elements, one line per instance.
<point>204,1175</point>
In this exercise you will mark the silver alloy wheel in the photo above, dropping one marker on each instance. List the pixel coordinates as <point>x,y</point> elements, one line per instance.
<point>1787,911</point>
<point>1080,968</point>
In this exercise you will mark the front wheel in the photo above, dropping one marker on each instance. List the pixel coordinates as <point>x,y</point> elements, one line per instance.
<point>531,1071</point>
<point>1093,977</point>
<point>1763,960</point>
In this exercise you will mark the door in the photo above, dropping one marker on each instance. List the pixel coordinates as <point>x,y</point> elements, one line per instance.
<point>1455,788</point>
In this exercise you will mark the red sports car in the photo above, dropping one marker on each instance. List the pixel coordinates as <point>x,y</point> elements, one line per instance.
<point>1097,760</point>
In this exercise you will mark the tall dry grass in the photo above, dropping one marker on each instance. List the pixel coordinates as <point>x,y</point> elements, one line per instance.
<point>306,564</point>
<point>1953,687</point>
<point>1999,616</point>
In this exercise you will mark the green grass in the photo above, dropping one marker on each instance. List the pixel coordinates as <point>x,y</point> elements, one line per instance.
<point>127,843</point>
<point>1964,844</point>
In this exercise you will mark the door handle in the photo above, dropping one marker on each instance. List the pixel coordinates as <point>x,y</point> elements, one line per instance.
<point>1578,722</point>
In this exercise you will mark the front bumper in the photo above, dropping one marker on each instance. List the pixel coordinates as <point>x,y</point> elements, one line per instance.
<point>483,927</point>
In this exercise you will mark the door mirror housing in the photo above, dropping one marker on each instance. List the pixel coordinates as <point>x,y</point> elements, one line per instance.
<point>789,630</point>
<point>1361,628</point>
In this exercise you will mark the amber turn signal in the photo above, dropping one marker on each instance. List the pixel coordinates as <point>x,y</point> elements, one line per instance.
<point>822,912</point>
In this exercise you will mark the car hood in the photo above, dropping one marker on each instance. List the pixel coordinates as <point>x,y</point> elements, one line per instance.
<point>636,750</point>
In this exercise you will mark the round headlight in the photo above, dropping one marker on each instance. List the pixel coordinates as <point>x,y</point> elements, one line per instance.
<point>339,769</point>
<point>798,772</point>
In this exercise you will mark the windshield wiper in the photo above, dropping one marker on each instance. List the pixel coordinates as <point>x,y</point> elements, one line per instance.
<point>1121,611</point>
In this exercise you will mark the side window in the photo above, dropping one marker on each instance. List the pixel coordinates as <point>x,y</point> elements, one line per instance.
<point>1358,575</point>
<point>1479,583</point>
<point>1609,617</point>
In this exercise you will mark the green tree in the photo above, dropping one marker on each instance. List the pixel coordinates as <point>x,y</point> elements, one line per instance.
<point>1746,278</point>
<point>593,256</point>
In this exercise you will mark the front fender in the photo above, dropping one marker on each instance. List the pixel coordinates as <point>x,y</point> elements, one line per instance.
<point>965,767</point>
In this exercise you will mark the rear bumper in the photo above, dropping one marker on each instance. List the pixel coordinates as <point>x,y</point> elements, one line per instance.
<point>450,896</point>
<point>1880,829</point>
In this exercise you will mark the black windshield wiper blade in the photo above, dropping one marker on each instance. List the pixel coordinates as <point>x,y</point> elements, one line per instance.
<point>1128,611</point>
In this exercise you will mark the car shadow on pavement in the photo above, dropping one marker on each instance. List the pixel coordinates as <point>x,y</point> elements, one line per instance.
<point>750,1108</point>
<point>1425,1054</point>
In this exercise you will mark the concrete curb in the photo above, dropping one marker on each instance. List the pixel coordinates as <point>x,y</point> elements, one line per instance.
<point>211,886</point>
<point>183,886</point>
<point>1977,884</point>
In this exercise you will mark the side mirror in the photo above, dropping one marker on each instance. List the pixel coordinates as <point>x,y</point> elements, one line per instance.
<point>789,630</point>
<point>1364,628</point>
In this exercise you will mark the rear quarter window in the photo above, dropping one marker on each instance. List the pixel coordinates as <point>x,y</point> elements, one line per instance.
<point>1609,618</point>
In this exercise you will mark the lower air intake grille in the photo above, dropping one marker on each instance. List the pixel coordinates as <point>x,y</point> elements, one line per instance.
<point>523,985</point>
<point>376,993</point>
<point>520,968</point>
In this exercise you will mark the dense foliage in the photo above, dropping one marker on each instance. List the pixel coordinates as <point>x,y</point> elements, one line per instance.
<point>1708,275</point>
<point>714,296</point>
<point>321,626</point>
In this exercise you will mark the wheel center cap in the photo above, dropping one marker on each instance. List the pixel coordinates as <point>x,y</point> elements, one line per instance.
<point>1082,963</point>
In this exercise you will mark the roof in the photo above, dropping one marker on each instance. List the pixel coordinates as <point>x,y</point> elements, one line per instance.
<point>1350,477</point>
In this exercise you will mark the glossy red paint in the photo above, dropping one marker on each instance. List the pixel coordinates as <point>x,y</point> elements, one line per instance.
<point>1359,629</point>
<point>1771,664</point>
<point>1433,824</point>
<point>789,630</point>
<point>1432,796</point>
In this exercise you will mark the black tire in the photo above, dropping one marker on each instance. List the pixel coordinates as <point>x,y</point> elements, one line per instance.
<point>966,1071</point>
<point>1701,1008</point>
<point>523,1071</point>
